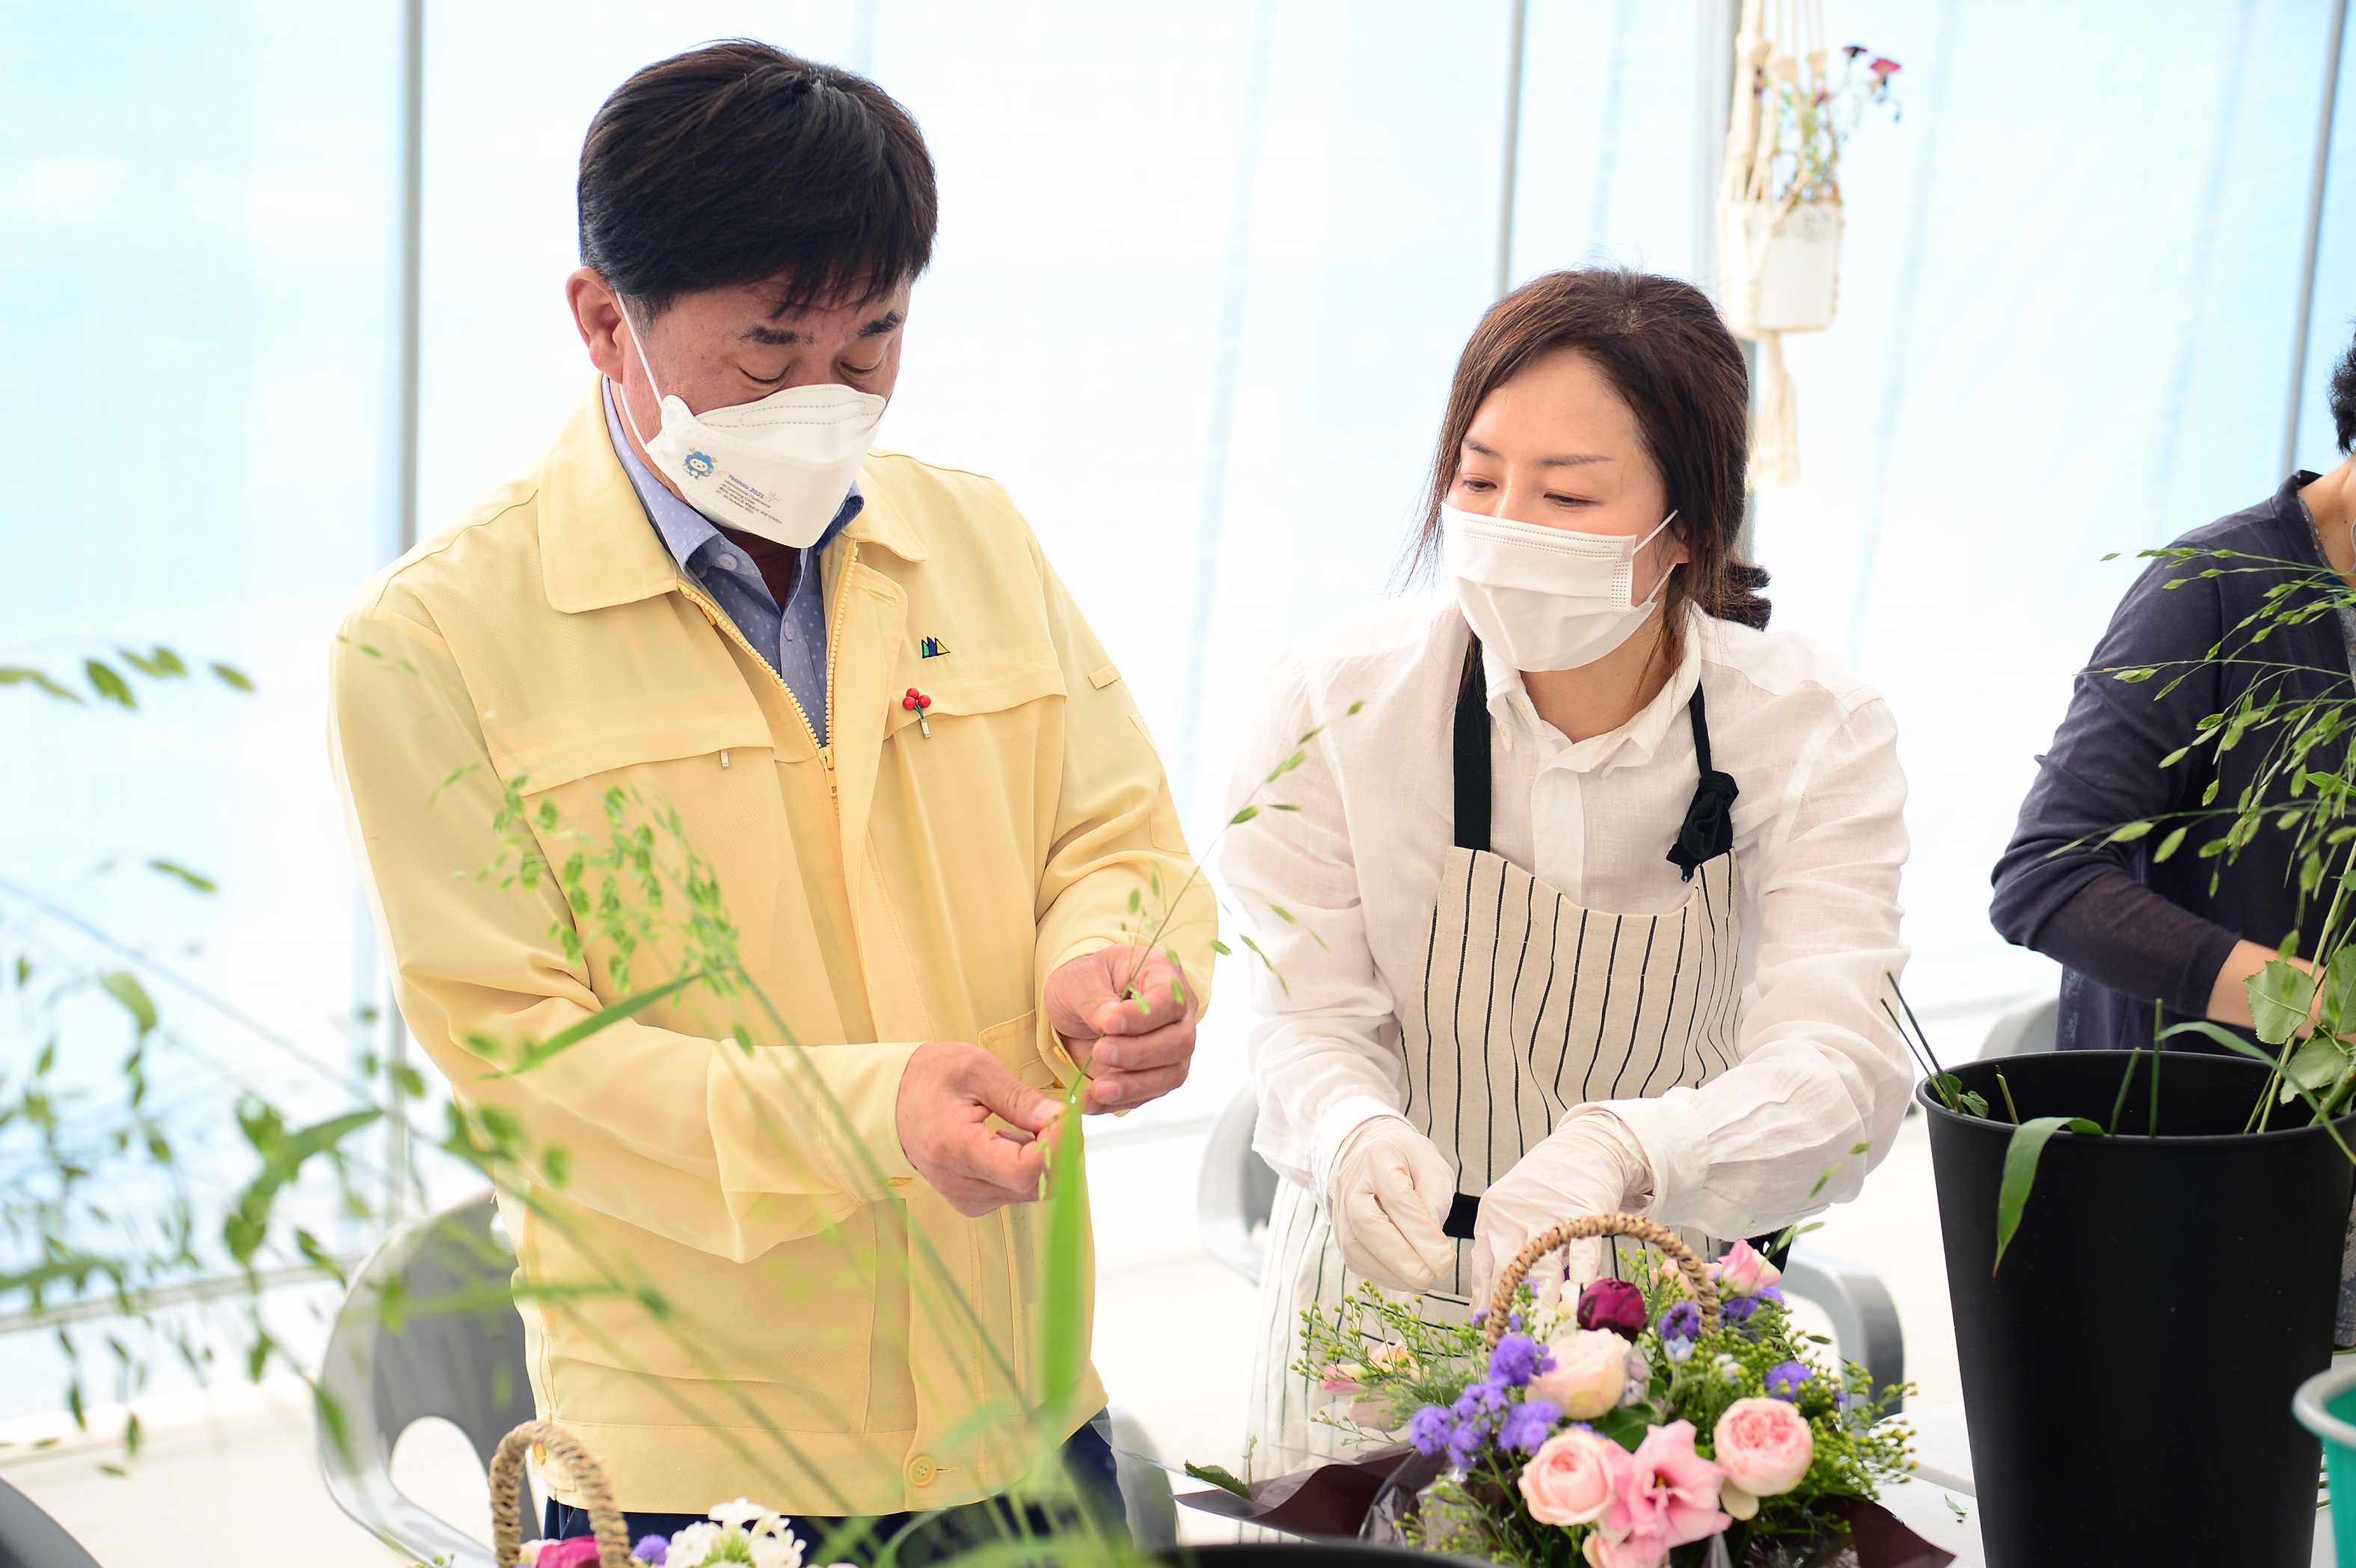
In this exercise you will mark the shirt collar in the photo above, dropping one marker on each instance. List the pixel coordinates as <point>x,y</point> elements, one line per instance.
<point>1633,744</point>
<point>684,529</point>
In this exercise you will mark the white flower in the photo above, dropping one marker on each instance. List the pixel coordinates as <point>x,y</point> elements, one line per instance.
<point>1729,1367</point>
<point>776,1551</point>
<point>744,1510</point>
<point>692,1547</point>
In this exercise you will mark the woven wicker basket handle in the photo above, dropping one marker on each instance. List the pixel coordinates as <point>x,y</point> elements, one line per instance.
<point>588,1479</point>
<point>1697,1280</point>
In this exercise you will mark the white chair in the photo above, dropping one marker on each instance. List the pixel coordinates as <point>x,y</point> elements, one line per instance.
<point>467,1365</point>
<point>2024,1029</point>
<point>29,1538</point>
<point>1237,1191</point>
<point>399,1353</point>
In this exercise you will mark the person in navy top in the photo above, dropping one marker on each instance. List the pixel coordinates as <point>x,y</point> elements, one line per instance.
<point>2130,931</point>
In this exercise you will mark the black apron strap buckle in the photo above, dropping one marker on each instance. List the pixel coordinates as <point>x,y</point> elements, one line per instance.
<point>1463,1213</point>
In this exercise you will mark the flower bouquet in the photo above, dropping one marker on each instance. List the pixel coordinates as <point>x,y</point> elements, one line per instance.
<point>742,1531</point>
<point>1622,1424</point>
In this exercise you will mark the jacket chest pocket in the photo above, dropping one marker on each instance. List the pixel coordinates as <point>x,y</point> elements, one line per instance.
<point>652,826</point>
<point>972,691</point>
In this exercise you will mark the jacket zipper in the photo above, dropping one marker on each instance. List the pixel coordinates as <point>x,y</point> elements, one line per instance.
<point>728,628</point>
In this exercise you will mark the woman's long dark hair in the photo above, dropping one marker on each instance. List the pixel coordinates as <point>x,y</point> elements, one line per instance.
<point>1661,345</point>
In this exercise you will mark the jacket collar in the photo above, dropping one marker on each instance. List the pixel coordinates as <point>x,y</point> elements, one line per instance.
<point>596,548</point>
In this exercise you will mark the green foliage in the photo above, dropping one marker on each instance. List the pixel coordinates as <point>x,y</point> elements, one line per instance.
<point>2021,1159</point>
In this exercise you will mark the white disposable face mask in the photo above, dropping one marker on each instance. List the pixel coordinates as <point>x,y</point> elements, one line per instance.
<point>777,468</point>
<point>1546,598</point>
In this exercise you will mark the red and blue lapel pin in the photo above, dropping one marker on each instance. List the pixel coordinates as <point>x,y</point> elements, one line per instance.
<point>916,702</point>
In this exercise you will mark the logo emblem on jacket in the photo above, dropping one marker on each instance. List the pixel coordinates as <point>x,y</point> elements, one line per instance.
<point>933,647</point>
<point>699,464</point>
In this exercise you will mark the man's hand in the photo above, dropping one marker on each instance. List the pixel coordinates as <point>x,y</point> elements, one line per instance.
<point>947,1093</point>
<point>1126,1015</point>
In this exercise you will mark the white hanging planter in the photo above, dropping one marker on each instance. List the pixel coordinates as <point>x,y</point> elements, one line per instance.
<point>1782,265</point>
<point>1779,215</point>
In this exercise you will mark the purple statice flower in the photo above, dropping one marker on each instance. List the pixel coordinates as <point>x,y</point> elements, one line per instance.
<point>1612,1303</point>
<point>651,1550</point>
<point>1516,1359</point>
<point>1430,1430</point>
<point>1480,1316</point>
<point>1784,1378</point>
<point>1682,1321</point>
<point>1526,1425</point>
<point>1774,1293</point>
<point>1514,1321</point>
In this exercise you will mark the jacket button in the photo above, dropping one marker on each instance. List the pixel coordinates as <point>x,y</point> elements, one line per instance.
<point>921,1470</point>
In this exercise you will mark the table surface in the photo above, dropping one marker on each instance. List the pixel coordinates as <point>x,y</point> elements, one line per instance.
<point>1936,1501</point>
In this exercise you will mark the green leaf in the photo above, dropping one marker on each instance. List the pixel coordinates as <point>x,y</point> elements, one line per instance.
<point>604,1018</point>
<point>107,683</point>
<point>1975,1103</point>
<point>231,676</point>
<point>2132,830</point>
<point>195,880</point>
<point>1246,814</point>
<point>2168,846</point>
<point>1627,1425</point>
<point>1221,948</point>
<point>1062,1320</point>
<point>2280,996</point>
<point>22,675</point>
<point>2021,1157</point>
<point>2316,1062</point>
<point>124,987</point>
<point>1219,1477</point>
<point>163,664</point>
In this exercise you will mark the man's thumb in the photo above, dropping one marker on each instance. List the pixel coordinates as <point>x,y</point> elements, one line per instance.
<point>998,1091</point>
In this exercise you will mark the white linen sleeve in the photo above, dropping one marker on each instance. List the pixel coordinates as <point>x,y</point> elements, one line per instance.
<point>1321,1062</point>
<point>1821,1070</point>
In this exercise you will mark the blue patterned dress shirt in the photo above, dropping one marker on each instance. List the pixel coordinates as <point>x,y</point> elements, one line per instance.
<point>792,640</point>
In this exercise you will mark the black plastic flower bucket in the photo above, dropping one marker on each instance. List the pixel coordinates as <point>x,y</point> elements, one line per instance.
<point>2128,1372</point>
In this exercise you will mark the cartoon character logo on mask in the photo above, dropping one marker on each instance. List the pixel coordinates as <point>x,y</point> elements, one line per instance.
<point>699,464</point>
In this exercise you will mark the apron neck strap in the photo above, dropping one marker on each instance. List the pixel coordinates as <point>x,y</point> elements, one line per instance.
<point>1709,829</point>
<point>1472,752</point>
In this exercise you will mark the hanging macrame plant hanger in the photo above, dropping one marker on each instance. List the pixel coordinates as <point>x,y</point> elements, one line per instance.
<point>1779,214</point>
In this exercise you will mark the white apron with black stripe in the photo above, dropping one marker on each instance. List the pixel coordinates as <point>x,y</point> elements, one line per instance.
<point>1528,1004</point>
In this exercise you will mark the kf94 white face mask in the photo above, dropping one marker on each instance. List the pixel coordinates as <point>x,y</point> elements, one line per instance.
<point>1546,598</point>
<point>777,468</point>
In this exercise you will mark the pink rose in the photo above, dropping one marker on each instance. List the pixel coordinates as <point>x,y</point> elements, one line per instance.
<point>1339,1379</point>
<point>1570,1480</point>
<point>1590,1372</point>
<point>1742,1272</point>
<point>1666,1497</point>
<point>579,1552</point>
<point>1603,1552</point>
<point>1764,1445</point>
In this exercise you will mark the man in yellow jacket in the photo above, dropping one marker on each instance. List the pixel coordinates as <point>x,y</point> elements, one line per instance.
<point>762,838</point>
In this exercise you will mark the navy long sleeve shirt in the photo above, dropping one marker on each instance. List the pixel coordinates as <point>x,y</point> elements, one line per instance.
<point>2130,932</point>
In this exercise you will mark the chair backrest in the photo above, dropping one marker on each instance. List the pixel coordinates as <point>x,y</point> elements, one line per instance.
<point>1236,1192</point>
<point>31,1538</point>
<point>2026,1028</point>
<point>428,1329</point>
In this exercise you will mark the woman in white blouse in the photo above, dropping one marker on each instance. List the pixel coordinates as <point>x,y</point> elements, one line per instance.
<point>1592,898</point>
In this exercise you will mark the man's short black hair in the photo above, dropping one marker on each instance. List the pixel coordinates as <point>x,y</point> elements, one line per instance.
<point>2343,400</point>
<point>738,163</point>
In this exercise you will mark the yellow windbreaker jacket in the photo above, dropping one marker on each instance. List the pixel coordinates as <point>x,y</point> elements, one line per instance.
<point>570,780</point>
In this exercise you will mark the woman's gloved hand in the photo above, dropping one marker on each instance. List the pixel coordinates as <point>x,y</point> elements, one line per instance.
<point>1590,1164</point>
<point>1388,1194</point>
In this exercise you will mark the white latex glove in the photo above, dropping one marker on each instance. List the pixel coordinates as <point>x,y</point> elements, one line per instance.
<point>1388,1194</point>
<point>1590,1164</point>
